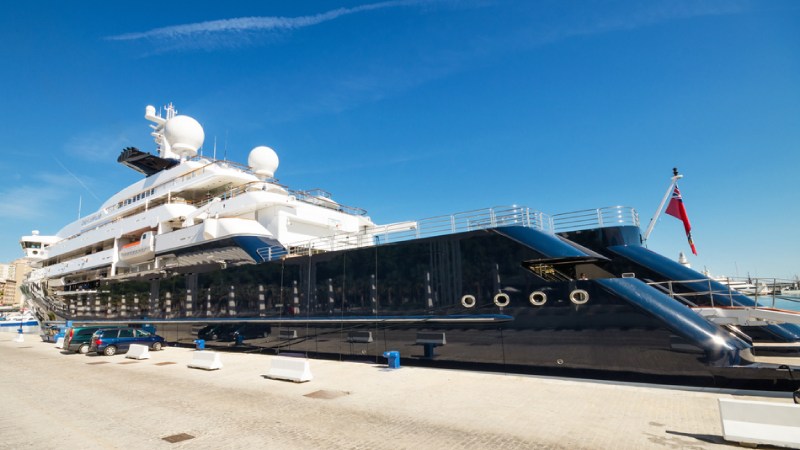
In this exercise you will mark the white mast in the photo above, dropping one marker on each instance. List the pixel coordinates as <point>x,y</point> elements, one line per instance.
<point>675,177</point>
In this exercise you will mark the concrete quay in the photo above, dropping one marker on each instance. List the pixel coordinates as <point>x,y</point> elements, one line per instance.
<point>56,400</point>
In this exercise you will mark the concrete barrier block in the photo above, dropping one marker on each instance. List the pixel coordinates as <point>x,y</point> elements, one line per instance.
<point>60,342</point>
<point>287,334</point>
<point>203,359</point>
<point>138,351</point>
<point>292,369</point>
<point>359,337</point>
<point>436,338</point>
<point>760,423</point>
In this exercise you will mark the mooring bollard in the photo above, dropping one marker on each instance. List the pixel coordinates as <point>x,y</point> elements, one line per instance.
<point>393,358</point>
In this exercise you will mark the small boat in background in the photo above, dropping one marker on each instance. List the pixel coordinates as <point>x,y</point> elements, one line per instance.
<point>791,291</point>
<point>745,285</point>
<point>15,321</point>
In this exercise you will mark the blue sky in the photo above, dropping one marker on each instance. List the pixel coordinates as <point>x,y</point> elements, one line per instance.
<point>412,109</point>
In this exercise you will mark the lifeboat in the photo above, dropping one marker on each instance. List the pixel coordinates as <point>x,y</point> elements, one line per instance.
<point>139,251</point>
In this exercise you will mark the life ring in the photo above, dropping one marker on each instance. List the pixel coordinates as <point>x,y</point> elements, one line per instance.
<point>502,299</point>
<point>537,298</point>
<point>468,301</point>
<point>579,296</point>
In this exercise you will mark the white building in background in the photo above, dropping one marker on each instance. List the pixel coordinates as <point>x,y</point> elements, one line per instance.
<point>6,274</point>
<point>11,276</point>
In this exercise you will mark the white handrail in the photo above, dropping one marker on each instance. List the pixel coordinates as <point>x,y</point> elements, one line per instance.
<point>609,216</point>
<point>434,226</point>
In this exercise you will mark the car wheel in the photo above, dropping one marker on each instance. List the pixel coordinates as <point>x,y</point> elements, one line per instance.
<point>83,349</point>
<point>110,350</point>
<point>156,346</point>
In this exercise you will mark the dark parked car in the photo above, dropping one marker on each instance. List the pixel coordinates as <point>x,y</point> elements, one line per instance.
<point>246,331</point>
<point>109,341</point>
<point>79,339</point>
<point>215,331</point>
<point>234,331</point>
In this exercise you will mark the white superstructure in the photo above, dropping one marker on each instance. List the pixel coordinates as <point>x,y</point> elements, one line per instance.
<point>189,210</point>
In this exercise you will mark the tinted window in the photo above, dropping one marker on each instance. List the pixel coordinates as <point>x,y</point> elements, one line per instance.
<point>125,333</point>
<point>107,333</point>
<point>142,333</point>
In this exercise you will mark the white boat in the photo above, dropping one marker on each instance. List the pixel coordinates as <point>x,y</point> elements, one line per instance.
<point>790,291</point>
<point>745,286</point>
<point>13,322</point>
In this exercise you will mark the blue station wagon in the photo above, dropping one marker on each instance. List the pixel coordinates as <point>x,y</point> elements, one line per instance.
<point>110,341</point>
<point>79,339</point>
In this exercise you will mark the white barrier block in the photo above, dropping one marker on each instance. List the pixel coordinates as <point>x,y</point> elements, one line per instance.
<point>292,369</point>
<point>19,338</point>
<point>753,422</point>
<point>60,342</point>
<point>206,360</point>
<point>138,351</point>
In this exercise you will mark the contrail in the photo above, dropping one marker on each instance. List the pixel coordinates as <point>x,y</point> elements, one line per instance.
<point>244,24</point>
<point>77,179</point>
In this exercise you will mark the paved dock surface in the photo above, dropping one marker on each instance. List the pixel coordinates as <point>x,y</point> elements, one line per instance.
<point>54,400</point>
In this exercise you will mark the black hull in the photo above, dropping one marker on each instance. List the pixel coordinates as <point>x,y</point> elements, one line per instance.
<point>410,297</point>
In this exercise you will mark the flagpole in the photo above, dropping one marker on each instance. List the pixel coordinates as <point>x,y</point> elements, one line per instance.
<point>675,177</point>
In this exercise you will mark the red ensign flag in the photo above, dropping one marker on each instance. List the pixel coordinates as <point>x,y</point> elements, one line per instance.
<point>676,209</point>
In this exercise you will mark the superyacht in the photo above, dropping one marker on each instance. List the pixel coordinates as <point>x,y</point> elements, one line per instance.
<point>200,244</point>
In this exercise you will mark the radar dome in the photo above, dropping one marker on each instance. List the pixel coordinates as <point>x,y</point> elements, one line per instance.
<point>184,135</point>
<point>263,160</point>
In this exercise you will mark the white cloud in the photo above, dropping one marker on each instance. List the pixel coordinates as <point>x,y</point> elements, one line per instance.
<point>241,31</point>
<point>36,201</point>
<point>646,14</point>
<point>97,146</point>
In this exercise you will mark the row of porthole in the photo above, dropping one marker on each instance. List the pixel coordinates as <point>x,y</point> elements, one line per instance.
<point>537,298</point>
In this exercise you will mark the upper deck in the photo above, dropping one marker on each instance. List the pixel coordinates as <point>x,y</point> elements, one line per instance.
<point>500,216</point>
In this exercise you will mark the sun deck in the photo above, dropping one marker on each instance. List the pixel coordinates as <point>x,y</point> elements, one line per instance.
<point>481,219</point>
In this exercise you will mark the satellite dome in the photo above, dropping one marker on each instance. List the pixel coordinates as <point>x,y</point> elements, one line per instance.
<point>184,135</point>
<point>263,160</point>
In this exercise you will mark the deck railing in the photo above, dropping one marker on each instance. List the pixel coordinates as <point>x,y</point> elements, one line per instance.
<point>271,253</point>
<point>430,227</point>
<point>765,292</point>
<point>609,216</point>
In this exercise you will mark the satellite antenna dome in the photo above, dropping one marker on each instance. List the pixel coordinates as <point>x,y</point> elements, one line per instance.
<point>264,161</point>
<point>184,135</point>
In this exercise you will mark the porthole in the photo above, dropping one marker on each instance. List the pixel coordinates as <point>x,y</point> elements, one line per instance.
<point>501,299</point>
<point>537,298</point>
<point>468,301</point>
<point>579,296</point>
